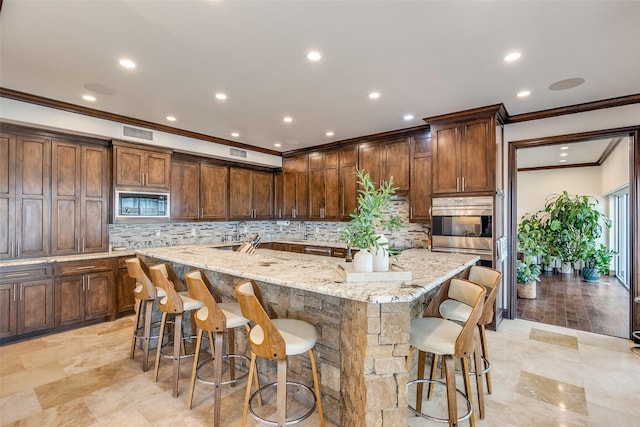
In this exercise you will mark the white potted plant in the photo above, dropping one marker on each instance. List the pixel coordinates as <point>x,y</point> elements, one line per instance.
<point>370,219</point>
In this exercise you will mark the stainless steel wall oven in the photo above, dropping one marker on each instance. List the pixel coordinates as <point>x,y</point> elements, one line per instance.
<point>464,225</point>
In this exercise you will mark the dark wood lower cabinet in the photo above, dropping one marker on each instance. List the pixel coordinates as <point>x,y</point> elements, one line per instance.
<point>124,289</point>
<point>26,300</point>
<point>84,291</point>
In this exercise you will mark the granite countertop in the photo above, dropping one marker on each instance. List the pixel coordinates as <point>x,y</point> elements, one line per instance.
<point>65,258</point>
<point>320,274</point>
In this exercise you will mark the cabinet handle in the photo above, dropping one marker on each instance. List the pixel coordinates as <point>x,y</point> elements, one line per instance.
<point>87,267</point>
<point>457,183</point>
<point>201,212</point>
<point>279,213</point>
<point>21,291</point>
<point>15,291</point>
<point>411,212</point>
<point>429,211</point>
<point>83,244</point>
<point>18,249</point>
<point>463,183</point>
<point>88,283</point>
<point>13,252</point>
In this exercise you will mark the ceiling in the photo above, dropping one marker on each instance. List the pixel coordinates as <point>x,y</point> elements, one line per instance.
<point>425,58</point>
<point>588,152</point>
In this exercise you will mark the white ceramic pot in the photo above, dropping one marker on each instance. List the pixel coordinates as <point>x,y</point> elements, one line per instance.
<point>363,261</point>
<point>381,255</point>
<point>566,268</point>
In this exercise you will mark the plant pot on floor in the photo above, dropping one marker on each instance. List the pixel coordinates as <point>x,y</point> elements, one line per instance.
<point>590,274</point>
<point>527,290</point>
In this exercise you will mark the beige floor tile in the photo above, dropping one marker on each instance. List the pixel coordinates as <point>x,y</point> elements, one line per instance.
<point>17,406</point>
<point>10,366</point>
<point>554,338</point>
<point>30,378</point>
<point>129,417</point>
<point>72,413</point>
<point>564,395</point>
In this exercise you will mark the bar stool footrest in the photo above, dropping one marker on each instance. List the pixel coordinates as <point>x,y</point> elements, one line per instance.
<point>227,357</point>
<point>437,419</point>
<point>288,422</point>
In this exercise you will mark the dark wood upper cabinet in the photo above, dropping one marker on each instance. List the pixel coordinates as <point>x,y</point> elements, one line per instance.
<point>385,159</point>
<point>420,195</point>
<point>295,172</point>
<point>250,194</point>
<point>324,197</point>
<point>199,190</point>
<point>8,144</point>
<point>348,183</point>
<point>138,168</point>
<point>80,198</point>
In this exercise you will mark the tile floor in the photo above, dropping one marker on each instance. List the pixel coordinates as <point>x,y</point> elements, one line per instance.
<point>542,376</point>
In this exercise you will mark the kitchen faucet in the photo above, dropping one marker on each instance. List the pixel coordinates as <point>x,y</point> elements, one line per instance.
<point>241,223</point>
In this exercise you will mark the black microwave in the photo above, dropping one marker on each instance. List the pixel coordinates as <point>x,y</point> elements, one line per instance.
<point>138,204</point>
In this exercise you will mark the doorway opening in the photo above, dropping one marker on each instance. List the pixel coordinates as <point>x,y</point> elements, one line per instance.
<point>565,299</point>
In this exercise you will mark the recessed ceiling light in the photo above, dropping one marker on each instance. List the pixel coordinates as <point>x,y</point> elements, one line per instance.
<point>277,144</point>
<point>127,63</point>
<point>314,55</point>
<point>564,147</point>
<point>171,118</point>
<point>523,94</point>
<point>287,119</point>
<point>374,95</point>
<point>563,161</point>
<point>408,117</point>
<point>510,57</point>
<point>221,96</point>
<point>329,133</point>
<point>235,134</point>
<point>564,154</point>
<point>89,98</point>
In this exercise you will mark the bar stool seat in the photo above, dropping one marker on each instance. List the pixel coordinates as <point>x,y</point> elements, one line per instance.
<point>275,339</point>
<point>145,293</point>
<point>172,304</point>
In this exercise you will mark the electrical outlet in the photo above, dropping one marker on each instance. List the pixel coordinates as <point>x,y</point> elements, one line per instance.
<point>317,229</point>
<point>157,233</point>
<point>193,231</point>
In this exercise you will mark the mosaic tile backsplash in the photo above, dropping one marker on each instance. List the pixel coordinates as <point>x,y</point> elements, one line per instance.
<point>135,236</point>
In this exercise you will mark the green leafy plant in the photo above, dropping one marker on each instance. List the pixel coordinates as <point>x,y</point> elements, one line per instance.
<point>573,225</point>
<point>599,258</point>
<point>526,271</point>
<point>372,216</point>
<point>532,235</point>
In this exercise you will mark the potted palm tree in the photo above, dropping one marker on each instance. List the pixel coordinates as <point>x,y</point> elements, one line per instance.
<point>370,219</point>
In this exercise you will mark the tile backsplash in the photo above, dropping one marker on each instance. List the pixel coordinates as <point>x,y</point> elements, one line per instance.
<point>135,236</point>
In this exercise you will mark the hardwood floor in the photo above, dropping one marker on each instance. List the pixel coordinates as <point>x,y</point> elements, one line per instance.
<point>567,300</point>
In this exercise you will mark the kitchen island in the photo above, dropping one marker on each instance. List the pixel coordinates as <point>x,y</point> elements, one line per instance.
<point>363,327</point>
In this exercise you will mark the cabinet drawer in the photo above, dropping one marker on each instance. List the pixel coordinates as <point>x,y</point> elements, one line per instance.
<point>339,252</point>
<point>79,267</point>
<point>24,273</point>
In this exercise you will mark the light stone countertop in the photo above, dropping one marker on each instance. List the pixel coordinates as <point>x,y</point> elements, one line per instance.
<point>320,274</point>
<point>65,258</point>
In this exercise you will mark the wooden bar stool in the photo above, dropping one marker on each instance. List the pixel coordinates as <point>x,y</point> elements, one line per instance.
<point>275,339</point>
<point>459,311</point>
<point>215,317</point>
<point>145,294</point>
<point>174,304</point>
<point>450,341</point>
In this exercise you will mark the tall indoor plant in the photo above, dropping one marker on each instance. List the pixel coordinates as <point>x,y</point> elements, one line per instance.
<point>532,239</point>
<point>370,219</point>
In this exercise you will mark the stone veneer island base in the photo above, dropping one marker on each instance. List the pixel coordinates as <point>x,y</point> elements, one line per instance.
<point>363,328</point>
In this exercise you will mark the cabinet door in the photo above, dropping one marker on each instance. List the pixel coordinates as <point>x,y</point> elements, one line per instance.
<point>420,208</point>
<point>240,193</point>
<point>33,192</point>
<point>158,170</point>
<point>278,194</point>
<point>214,191</point>
<point>316,185</point>
<point>370,159</point>
<point>124,289</point>
<point>130,166</point>
<point>396,163</point>
<point>477,157</point>
<point>7,195</point>
<point>262,194</point>
<point>445,157</point>
<point>331,185</point>
<point>36,309</point>
<point>69,296</point>
<point>98,295</point>
<point>66,160</point>
<point>8,310</point>
<point>94,198</point>
<point>185,190</point>
<point>289,193</point>
<point>348,181</point>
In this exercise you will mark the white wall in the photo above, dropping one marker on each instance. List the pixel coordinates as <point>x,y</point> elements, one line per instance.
<point>51,118</point>
<point>535,186</point>
<point>615,170</point>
